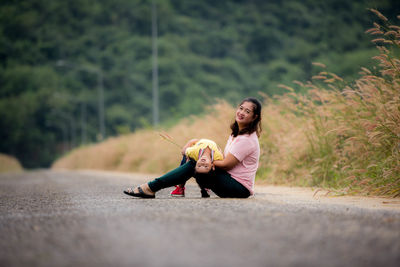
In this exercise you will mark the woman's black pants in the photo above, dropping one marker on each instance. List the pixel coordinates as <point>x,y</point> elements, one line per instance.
<point>219,181</point>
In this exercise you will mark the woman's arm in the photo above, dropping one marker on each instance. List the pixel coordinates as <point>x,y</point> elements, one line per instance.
<point>227,163</point>
<point>189,144</point>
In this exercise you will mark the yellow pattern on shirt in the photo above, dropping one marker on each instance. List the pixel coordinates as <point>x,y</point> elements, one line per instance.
<point>193,151</point>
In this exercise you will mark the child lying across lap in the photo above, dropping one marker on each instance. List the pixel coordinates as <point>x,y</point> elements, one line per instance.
<point>204,152</point>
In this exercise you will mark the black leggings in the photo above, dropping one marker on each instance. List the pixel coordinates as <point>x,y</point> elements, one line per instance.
<point>219,181</point>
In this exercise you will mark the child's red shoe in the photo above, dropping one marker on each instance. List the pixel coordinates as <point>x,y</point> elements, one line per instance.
<point>178,191</point>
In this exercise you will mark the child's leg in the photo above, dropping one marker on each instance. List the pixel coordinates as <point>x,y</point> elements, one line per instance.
<point>204,192</point>
<point>203,189</point>
<point>183,161</point>
<point>179,190</point>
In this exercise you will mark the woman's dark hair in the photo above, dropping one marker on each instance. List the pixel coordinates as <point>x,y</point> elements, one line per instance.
<point>254,126</point>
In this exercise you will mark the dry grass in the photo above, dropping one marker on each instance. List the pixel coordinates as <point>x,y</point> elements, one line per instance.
<point>145,150</point>
<point>283,145</point>
<point>342,136</point>
<point>9,164</point>
<point>353,130</point>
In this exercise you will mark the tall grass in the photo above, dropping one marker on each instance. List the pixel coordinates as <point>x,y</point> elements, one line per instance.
<point>9,164</point>
<point>344,136</point>
<point>353,130</point>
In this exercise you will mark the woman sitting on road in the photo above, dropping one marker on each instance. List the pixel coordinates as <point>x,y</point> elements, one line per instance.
<point>234,175</point>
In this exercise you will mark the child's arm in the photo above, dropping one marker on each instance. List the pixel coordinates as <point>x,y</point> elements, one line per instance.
<point>189,144</point>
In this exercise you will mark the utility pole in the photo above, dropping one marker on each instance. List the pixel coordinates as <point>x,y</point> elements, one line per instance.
<point>155,64</point>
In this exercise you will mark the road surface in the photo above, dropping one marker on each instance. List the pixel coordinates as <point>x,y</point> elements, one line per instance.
<point>63,218</point>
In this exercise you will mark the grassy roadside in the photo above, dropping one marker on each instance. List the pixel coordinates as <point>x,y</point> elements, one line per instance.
<point>9,164</point>
<point>340,135</point>
<point>145,150</point>
<point>352,129</point>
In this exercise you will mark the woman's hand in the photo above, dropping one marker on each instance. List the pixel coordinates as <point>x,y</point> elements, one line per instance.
<point>227,163</point>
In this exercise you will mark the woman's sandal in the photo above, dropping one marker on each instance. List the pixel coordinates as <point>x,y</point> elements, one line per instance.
<point>141,194</point>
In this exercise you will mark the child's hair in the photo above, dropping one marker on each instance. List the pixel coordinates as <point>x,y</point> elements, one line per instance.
<point>255,126</point>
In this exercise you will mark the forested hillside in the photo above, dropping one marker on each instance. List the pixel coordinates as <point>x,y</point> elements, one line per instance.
<point>56,55</point>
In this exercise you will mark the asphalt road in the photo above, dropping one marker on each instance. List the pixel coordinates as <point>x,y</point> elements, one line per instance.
<point>83,219</point>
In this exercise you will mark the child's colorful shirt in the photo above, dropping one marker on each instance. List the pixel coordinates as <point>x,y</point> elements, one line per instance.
<point>195,151</point>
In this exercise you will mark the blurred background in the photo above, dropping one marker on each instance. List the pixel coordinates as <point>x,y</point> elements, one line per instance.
<point>76,72</point>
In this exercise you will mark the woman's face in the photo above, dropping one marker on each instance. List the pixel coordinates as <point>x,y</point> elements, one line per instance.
<point>245,114</point>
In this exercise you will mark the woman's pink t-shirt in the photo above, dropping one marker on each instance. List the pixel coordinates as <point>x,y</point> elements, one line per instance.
<point>246,149</point>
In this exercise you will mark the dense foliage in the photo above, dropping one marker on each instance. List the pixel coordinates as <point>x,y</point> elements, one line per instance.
<point>52,54</point>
